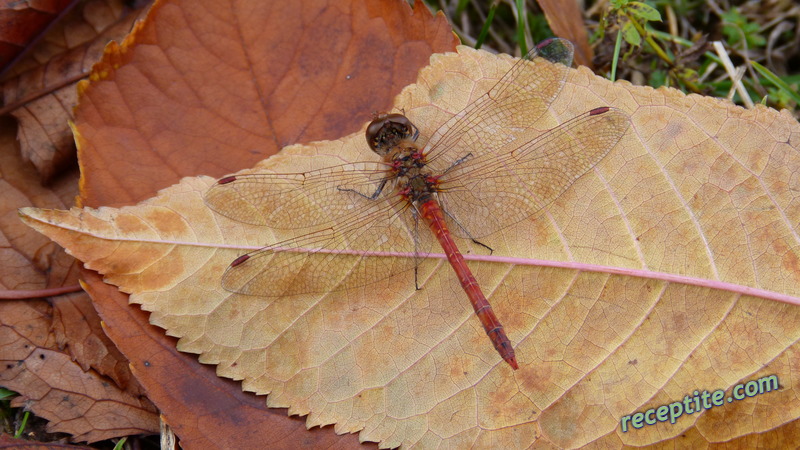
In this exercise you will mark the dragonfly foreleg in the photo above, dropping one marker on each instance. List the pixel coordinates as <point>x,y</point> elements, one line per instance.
<point>491,250</point>
<point>368,197</point>
<point>416,132</point>
<point>457,162</point>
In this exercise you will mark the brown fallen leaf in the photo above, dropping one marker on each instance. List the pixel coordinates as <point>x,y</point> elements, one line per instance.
<point>203,409</point>
<point>22,23</point>
<point>697,188</point>
<point>566,21</point>
<point>190,93</point>
<point>75,401</point>
<point>77,328</point>
<point>40,90</point>
<point>66,330</point>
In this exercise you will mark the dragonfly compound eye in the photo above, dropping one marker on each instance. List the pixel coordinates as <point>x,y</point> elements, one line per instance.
<point>387,130</point>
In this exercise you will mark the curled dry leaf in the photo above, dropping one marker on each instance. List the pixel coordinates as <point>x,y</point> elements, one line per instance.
<point>78,329</point>
<point>56,355</point>
<point>81,403</point>
<point>21,23</point>
<point>697,188</point>
<point>40,92</point>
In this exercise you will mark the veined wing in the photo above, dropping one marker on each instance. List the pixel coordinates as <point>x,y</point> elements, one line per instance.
<point>340,238</point>
<point>299,200</point>
<point>510,108</point>
<point>373,246</point>
<point>525,176</point>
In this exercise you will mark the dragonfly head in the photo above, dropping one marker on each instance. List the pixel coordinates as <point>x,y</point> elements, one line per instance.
<point>388,130</point>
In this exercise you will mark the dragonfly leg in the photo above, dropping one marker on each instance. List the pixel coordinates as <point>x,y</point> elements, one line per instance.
<point>457,162</point>
<point>491,250</point>
<point>415,214</point>
<point>368,197</point>
<point>455,221</point>
<point>414,127</point>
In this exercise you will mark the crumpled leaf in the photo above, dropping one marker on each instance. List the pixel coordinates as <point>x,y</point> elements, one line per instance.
<point>77,354</point>
<point>77,328</point>
<point>697,188</point>
<point>22,22</point>
<point>78,402</point>
<point>40,90</point>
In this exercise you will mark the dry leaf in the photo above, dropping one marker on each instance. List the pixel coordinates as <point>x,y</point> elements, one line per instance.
<point>190,93</point>
<point>77,353</point>
<point>40,93</point>
<point>566,21</point>
<point>80,27</point>
<point>78,402</point>
<point>399,41</point>
<point>77,329</point>
<point>204,410</point>
<point>21,23</point>
<point>697,188</point>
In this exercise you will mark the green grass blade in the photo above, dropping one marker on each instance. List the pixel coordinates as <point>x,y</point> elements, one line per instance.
<point>774,79</point>
<point>121,443</point>
<point>5,394</point>
<point>486,26</point>
<point>615,59</point>
<point>521,27</point>
<point>22,425</point>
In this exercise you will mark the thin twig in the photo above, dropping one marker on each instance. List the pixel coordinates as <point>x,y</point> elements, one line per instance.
<point>38,293</point>
<point>726,62</point>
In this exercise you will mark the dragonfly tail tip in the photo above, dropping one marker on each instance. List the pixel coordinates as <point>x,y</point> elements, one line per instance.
<point>512,361</point>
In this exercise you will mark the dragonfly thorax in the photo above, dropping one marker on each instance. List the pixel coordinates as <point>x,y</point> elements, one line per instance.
<point>414,181</point>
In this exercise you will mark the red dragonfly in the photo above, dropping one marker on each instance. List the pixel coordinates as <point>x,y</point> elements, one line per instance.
<point>482,171</point>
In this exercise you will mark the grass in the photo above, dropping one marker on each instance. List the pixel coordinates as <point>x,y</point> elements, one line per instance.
<point>661,43</point>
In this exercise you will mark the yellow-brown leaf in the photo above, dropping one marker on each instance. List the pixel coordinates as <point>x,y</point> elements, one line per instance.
<point>697,188</point>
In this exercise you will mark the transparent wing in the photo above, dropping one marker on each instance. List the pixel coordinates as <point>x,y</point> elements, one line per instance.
<point>340,237</point>
<point>491,191</point>
<point>367,251</point>
<point>299,200</point>
<point>508,110</point>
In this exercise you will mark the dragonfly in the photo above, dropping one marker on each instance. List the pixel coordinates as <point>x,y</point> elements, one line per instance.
<point>485,169</point>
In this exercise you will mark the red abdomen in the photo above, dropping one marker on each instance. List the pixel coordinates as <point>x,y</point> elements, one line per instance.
<point>433,216</point>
